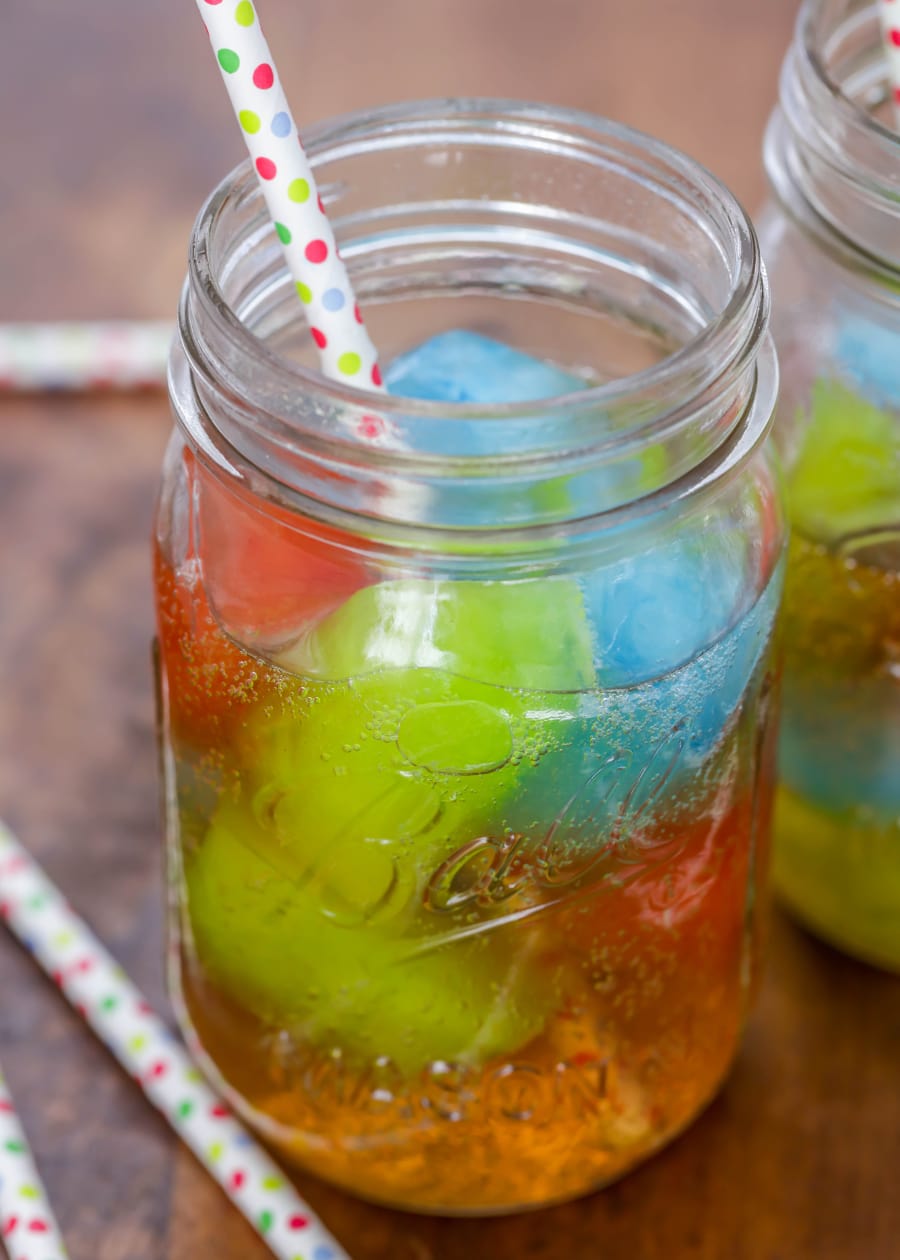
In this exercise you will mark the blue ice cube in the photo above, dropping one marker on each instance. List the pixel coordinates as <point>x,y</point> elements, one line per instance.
<point>870,355</point>
<point>673,647</point>
<point>465,367</point>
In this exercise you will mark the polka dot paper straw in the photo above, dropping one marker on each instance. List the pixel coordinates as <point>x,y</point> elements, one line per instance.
<point>28,1229</point>
<point>86,357</point>
<point>98,988</point>
<point>890,22</point>
<point>286,179</point>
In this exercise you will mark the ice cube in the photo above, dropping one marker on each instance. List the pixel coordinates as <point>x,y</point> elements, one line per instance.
<point>869,354</point>
<point>465,367</point>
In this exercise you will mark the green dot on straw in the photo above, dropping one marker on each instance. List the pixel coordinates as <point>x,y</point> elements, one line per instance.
<point>306,294</point>
<point>266,1221</point>
<point>14,1147</point>
<point>250,121</point>
<point>228,60</point>
<point>284,234</point>
<point>298,190</point>
<point>185,1108</point>
<point>243,14</point>
<point>109,1003</point>
<point>349,363</point>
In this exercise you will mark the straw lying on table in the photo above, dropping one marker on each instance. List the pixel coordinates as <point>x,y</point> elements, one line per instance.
<point>285,176</point>
<point>92,356</point>
<point>98,988</point>
<point>890,24</point>
<point>28,1229</point>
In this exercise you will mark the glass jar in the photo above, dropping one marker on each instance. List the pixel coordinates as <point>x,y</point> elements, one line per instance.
<point>831,238</point>
<point>466,708</point>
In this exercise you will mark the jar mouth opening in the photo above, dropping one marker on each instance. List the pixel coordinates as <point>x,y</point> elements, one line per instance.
<point>687,371</point>
<point>842,87</point>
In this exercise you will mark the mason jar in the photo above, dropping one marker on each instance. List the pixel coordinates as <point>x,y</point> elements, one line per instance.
<point>831,237</point>
<point>467,707</point>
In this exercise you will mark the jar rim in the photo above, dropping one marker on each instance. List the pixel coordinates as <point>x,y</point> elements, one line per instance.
<point>825,152</point>
<point>692,367</point>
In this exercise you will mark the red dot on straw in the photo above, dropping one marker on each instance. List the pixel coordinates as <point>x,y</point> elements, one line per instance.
<point>321,204</point>
<point>266,167</point>
<point>894,37</point>
<point>319,338</point>
<point>896,98</point>
<point>237,1180</point>
<point>5,1106</point>
<point>371,427</point>
<point>376,374</point>
<point>38,1227</point>
<point>219,1111</point>
<point>213,1</point>
<point>158,1069</point>
<point>358,313</point>
<point>9,1225</point>
<point>263,75</point>
<point>316,251</point>
<point>298,1222</point>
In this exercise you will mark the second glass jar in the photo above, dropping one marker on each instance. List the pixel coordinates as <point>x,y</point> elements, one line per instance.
<point>832,242</point>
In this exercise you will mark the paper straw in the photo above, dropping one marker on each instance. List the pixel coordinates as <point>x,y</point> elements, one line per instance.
<point>890,23</point>
<point>91,356</point>
<point>289,187</point>
<point>100,991</point>
<point>28,1228</point>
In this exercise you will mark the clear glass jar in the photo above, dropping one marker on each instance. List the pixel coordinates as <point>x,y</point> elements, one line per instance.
<point>831,238</point>
<point>467,709</point>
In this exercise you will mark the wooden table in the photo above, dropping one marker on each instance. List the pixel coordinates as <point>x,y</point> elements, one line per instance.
<point>112,149</point>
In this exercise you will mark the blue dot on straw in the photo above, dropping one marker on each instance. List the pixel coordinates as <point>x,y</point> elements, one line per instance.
<point>323,1253</point>
<point>333,299</point>
<point>281,124</point>
<point>243,1139</point>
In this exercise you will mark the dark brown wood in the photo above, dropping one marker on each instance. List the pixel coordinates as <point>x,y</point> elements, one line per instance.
<point>115,140</point>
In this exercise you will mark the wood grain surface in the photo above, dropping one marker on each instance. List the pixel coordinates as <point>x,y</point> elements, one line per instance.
<point>114,126</point>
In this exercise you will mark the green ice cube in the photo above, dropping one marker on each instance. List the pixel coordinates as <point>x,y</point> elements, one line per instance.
<point>531,634</point>
<point>277,945</point>
<point>846,478</point>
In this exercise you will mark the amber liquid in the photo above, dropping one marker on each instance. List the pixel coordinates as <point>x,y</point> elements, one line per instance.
<point>605,952</point>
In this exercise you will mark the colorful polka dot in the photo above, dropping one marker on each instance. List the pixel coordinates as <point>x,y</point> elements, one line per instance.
<point>281,125</point>
<point>298,190</point>
<point>266,168</point>
<point>266,1221</point>
<point>305,293</point>
<point>319,338</point>
<point>357,314</point>
<point>263,76</point>
<point>376,374</point>
<point>249,121</point>
<point>349,363</point>
<point>213,1</point>
<point>316,251</point>
<point>333,300</point>
<point>284,234</point>
<point>894,37</point>
<point>244,14</point>
<point>228,60</point>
